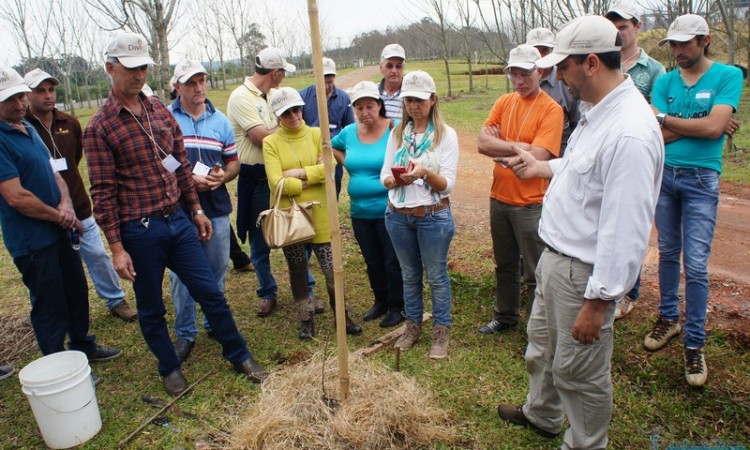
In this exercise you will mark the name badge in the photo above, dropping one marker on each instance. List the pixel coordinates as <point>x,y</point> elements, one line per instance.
<point>201,169</point>
<point>59,164</point>
<point>702,95</point>
<point>170,163</point>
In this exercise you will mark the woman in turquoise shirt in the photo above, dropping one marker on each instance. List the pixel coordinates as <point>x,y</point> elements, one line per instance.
<point>360,148</point>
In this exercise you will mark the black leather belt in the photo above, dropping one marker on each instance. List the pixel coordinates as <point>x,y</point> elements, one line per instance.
<point>557,252</point>
<point>166,211</point>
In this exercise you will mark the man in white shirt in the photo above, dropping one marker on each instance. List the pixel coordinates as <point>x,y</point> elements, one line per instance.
<point>595,222</point>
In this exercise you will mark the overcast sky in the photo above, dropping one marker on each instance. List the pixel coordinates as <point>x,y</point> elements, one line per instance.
<point>340,19</point>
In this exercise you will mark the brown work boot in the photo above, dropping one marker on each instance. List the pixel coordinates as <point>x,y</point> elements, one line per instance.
<point>411,335</point>
<point>175,383</point>
<point>124,312</point>
<point>439,348</point>
<point>266,307</point>
<point>251,369</point>
<point>515,415</point>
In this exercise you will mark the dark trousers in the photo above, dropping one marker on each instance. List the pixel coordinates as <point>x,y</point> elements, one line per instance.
<point>59,297</point>
<point>239,258</point>
<point>173,242</point>
<point>383,269</point>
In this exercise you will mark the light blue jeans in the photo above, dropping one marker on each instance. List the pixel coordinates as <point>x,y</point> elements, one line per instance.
<point>217,252</point>
<point>98,262</point>
<point>685,222</point>
<point>421,244</point>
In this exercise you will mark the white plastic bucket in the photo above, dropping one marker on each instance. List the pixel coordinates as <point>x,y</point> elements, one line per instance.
<point>62,397</point>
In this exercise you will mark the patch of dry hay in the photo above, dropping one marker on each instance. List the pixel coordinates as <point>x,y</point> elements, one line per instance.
<point>18,338</point>
<point>385,410</point>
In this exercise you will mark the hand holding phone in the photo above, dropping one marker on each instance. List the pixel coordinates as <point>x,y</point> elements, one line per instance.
<point>397,171</point>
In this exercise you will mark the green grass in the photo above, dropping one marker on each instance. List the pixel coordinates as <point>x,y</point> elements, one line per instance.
<point>650,394</point>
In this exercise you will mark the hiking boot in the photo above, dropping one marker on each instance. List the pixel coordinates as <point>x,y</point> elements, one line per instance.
<point>495,326</point>
<point>515,415</point>
<point>124,312</point>
<point>100,353</point>
<point>411,335</point>
<point>624,307</point>
<point>696,370</point>
<point>663,331</point>
<point>175,383</point>
<point>318,307</point>
<point>439,348</point>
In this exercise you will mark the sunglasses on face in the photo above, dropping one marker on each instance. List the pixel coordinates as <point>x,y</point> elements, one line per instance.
<point>292,110</point>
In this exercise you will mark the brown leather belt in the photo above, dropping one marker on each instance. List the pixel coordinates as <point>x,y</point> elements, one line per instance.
<point>421,211</point>
<point>166,211</point>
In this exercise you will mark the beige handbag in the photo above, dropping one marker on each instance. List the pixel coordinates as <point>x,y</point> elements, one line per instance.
<point>287,226</point>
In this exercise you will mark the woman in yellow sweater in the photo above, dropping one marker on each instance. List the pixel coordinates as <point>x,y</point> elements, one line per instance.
<point>294,152</point>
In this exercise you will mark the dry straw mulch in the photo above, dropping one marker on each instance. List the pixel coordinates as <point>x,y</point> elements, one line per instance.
<point>18,338</point>
<point>384,410</point>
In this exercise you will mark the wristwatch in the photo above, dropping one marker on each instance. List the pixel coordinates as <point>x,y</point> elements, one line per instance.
<point>197,212</point>
<point>660,118</point>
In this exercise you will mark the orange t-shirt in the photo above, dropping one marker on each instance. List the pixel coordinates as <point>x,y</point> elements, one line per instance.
<point>534,120</point>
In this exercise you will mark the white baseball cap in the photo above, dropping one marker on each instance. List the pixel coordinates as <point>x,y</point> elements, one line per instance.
<point>542,37</point>
<point>581,36</point>
<point>11,83</point>
<point>186,69</point>
<point>285,98</point>
<point>329,67</point>
<point>131,49</point>
<point>364,89</point>
<point>524,57</point>
<point>685,28</point>
<point>393,51</point>
<point>272,58</point>
<point>418,84</point>
<point>624,9</point>
<point>37,76</point>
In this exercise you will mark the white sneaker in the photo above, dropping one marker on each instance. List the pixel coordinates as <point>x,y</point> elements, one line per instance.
<point>624,307</point>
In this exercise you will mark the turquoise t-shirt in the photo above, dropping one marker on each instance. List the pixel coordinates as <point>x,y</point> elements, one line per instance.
<point>369,198</point>
<point>720,85</point>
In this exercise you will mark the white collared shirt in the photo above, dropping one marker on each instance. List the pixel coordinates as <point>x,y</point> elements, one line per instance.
<point>601,200</point>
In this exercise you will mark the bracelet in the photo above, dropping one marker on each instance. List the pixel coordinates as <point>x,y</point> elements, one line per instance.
<point>197,212</point>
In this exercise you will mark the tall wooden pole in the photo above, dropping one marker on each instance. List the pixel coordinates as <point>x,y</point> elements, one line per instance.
<point>333,212</point>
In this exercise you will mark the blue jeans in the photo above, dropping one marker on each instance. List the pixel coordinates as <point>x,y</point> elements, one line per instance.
<point>383,269</point>
<point>685,222</point>
<point>422,243</point>
<point>173,243</point>
<point>217,252</point>
<point>254,197</point>
<point>59,297</point>
<point>103,275</point>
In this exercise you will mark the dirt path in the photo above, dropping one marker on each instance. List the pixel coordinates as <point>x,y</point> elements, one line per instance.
<point>729,264</point>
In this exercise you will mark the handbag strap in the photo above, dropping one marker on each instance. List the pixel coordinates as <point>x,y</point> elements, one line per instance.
<point>277,196</point>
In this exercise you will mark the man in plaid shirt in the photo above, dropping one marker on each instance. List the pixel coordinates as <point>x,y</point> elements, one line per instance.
<point>140,181</point>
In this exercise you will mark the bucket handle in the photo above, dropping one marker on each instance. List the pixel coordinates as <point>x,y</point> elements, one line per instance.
<point>93,397</point>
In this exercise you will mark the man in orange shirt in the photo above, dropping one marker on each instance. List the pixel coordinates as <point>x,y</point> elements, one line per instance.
<point>532,120</point>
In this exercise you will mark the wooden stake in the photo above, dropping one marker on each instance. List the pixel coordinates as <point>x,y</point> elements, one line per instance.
<point>143,425</point>
<point>333,213</point>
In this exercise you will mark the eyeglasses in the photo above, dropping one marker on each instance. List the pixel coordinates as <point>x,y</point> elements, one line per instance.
<point>292,110</point>
<point>391,66</point>
<point>518,76</point>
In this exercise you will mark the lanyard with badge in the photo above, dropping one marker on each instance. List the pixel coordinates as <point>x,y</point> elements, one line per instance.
<point>56,159</point>
<point>169,162</point>
<point>200,168</point>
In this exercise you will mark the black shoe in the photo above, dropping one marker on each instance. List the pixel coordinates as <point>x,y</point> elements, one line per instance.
<point>494,326</point>
<point>251,369</point>
<point>306,330</point>
<point>212,335</point>
<point>351,327</point>
<point>377,310</point>
<point>175,383</point>
<point>393,318</point>
<point>183,349</point>
<point>95,379</point>
<point>100,353</point>
<point>515,415</point>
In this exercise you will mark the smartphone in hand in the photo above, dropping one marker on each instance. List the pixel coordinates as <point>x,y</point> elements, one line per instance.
<point>397,171</point>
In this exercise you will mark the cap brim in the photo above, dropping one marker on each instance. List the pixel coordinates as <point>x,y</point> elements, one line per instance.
<point>54,81</point>
<point>289,68</point>
<point>550,60</point>
<point>185,78</point>
<point>393,55</point>
<point>364,95</point>
<point>541,44</point>
<point>329,73</point>
<point>522,65</point>
<point>677,38</point>
<point>5,94</point>
<point>623,14</point>
<point>416,94</point>
<point>292,105</point>
<point>135,61</point>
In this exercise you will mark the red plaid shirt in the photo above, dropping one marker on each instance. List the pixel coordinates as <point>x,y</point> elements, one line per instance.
<point>128,180</point>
